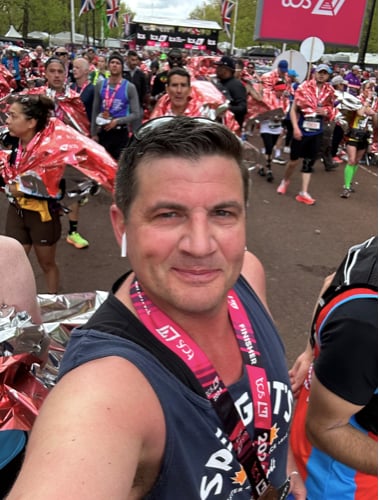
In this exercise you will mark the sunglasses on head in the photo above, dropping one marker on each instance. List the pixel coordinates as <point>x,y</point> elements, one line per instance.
<point>155,123</point>
<point>61,53</point>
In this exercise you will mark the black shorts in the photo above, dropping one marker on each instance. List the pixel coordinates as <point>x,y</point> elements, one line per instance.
<point>308,147</point>
<point>360,145</point>
<point>26,227</point>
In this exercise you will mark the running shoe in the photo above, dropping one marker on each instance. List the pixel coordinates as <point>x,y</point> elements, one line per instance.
<point>279,160</point>
<point>282,188</point>
<point>262,172</point>
<point>337,159</point>
<point>76,240</point>
<point>305,198</point>
<point>269,176</point>
<point>345,193</point>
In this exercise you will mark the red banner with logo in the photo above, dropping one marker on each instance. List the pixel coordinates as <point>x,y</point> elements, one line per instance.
<point>335,22</point>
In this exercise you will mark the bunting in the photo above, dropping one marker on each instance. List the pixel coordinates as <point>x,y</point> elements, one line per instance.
<point>112,10</point>
<point>226,14</point>
<point>86,6</point>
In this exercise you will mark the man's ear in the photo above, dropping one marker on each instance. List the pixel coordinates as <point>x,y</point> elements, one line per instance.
<point>118,222</point>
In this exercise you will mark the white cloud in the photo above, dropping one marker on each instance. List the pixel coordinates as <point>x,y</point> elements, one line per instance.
<point>178,9</point>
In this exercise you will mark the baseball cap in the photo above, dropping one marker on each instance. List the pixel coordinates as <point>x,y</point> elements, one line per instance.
<point>323,67</point>
<point>337,80</point>
<point>163,56</point>
<point>283,65</point>
<point>226,61</point>
<point>292,72</point>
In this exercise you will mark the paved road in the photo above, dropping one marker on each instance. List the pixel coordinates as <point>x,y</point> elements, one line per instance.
<point>298,245</point>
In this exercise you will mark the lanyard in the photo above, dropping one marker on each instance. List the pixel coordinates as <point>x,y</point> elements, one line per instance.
<point>78,89</point>
<point>108,100</point>
<point>179,342</point>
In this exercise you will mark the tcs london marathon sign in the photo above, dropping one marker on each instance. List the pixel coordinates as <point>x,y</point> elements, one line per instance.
<point>336,22</point>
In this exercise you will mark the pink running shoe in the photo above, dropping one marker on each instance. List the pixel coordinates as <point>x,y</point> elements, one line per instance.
<point>282,188</point>
<point>305,198</point>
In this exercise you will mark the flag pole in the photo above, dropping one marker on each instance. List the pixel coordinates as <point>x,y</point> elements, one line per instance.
<point>234,26</point>
<point>72,6</point>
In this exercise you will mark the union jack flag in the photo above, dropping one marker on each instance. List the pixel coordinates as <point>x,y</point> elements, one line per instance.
<point>226,14</point>
<point>112,10</point>
<point>86,6</point>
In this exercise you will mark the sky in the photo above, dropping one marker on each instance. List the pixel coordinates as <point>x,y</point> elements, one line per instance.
<point>179,9</point>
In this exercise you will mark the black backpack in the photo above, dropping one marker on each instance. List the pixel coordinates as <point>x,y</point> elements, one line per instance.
<point>356,277</point>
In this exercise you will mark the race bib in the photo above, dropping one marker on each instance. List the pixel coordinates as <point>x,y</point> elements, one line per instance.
<point>312,124</point>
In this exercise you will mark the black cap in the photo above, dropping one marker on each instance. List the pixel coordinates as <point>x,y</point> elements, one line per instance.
<point>226,61</point>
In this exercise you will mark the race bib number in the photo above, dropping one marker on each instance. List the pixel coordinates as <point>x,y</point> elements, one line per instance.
<point>312,125</point>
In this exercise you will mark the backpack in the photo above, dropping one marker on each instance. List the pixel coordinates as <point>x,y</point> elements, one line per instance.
<point>356,277</point>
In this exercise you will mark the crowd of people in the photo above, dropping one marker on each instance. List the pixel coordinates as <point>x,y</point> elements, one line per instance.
<point>195,399</point>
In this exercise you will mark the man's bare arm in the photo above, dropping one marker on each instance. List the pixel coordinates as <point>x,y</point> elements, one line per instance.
<point>328,429</point>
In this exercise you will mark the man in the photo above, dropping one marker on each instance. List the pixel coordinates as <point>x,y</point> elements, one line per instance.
<point>232,88</point>
<point>181,200</point>
<point>63,54</point>
<point>174,60</point>
<point>334,433</point>
<point>135,75</point>
<point>270,78</point>
<point>313,105</point>
<point>177,101</point>
<point>82,84</point>
<point>353,79</point>
<point>86,90</point>
<point>115,108</point>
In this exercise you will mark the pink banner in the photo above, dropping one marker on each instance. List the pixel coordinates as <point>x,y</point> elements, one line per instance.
<point>335,22</point>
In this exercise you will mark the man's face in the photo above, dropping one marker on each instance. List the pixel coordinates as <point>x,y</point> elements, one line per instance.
<point>186,232</point>
<point>322,76</point>
<point>115,67</point>
<point>80,70</point>
<point>178,90</point>
<point>55,76</point>
<point>62,54</point>
<point>132,62</point>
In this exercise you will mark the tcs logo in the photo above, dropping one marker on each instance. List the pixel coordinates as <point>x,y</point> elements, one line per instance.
<point>321,7</point>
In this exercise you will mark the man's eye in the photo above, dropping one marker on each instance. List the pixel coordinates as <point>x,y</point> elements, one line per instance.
<point>167,215</point>
<point>223,213</point>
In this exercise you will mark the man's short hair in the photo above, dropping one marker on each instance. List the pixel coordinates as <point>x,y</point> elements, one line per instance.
<point>182,137</point>
<point>179,72</point>
<point>132,53</point>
